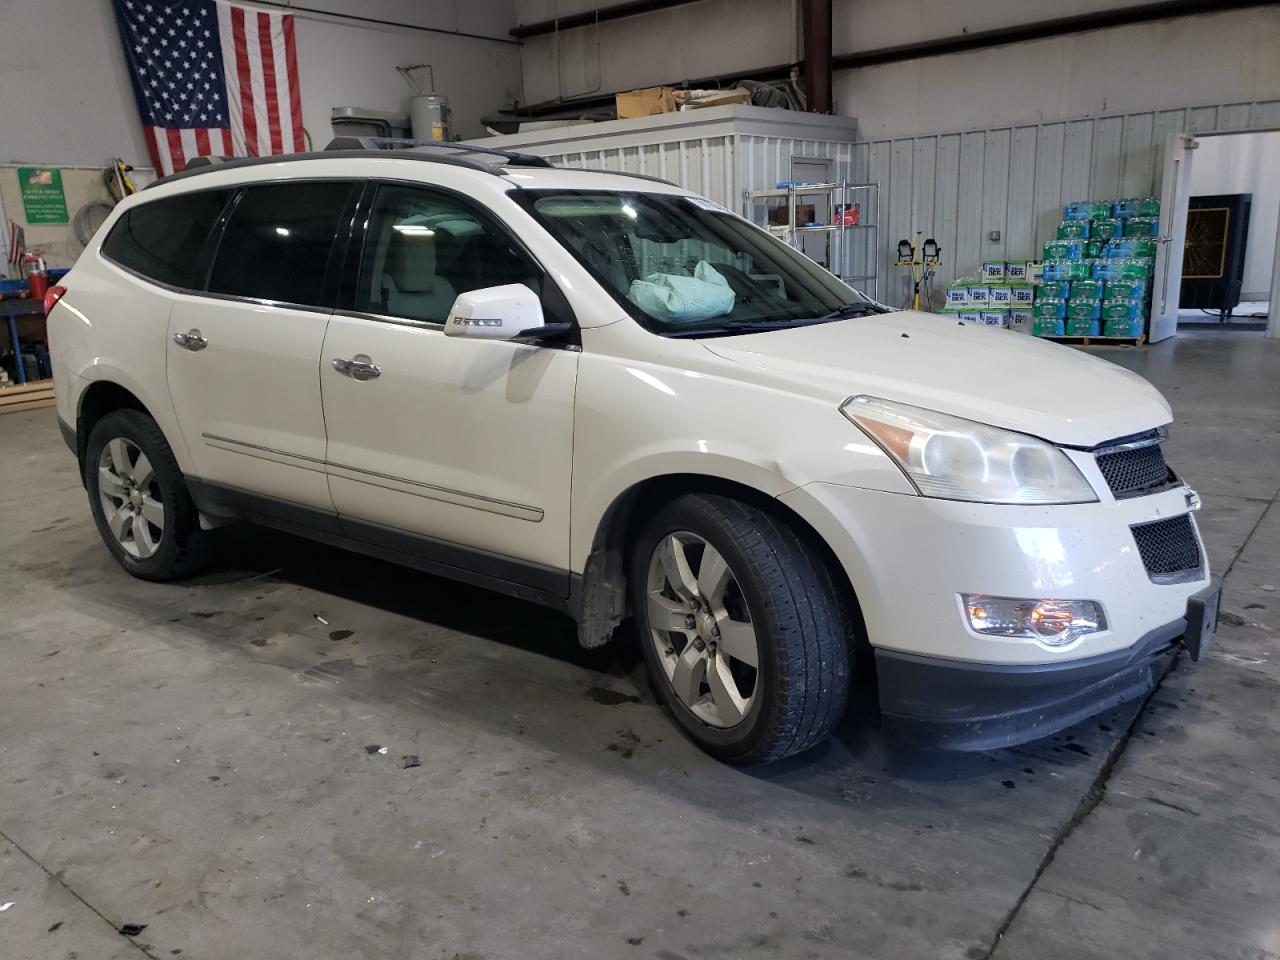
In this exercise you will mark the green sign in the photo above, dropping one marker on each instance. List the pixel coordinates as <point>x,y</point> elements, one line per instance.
<point>42,196</point>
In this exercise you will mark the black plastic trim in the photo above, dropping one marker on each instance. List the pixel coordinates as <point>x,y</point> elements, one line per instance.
<point>69,436</point>
<point>537,583</point>
<point>239,163</point>
<point>958,705</point>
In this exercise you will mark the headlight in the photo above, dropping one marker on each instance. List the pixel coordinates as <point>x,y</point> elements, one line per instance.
<point>956,459</point>
<point>1052,622</point>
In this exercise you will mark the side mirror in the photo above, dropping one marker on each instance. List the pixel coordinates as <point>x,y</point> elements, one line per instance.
<point>509,312</point>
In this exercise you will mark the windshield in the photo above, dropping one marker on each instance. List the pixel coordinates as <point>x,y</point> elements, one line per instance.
<point>684,266</point>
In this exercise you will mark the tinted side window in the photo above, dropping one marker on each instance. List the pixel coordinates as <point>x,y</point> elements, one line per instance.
<point>163,239</point>
<point>276,244</point>
<point>423,248</point>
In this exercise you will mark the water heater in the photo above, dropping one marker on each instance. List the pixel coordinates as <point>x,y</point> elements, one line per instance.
<point>428,111</point>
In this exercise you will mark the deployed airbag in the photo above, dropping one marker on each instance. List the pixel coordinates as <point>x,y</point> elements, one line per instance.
<point>678,299</point>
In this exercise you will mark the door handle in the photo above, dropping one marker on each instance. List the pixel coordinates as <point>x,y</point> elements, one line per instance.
<point>359,367</point>
<point>192,340</point>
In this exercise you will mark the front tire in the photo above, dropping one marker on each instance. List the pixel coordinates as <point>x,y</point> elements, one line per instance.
<point>139,499</point>
<point>741,629</point>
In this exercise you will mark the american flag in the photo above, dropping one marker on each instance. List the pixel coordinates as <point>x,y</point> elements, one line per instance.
<point>211,79</point>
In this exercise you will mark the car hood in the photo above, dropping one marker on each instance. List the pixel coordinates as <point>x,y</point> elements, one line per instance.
<point>968,370</point>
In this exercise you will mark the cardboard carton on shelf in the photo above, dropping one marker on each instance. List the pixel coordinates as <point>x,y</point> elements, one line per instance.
<point>646,102</point>
<point>655,100</point>
<point>806,213</point>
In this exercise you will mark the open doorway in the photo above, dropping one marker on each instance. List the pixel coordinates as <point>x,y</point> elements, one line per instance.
<point>1231,233</point>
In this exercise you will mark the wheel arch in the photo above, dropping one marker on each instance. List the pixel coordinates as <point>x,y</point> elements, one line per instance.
<point>98,399</point>
<point>600,601</point>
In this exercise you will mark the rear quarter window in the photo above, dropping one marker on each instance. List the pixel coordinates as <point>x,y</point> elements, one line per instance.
<point>165,240</point>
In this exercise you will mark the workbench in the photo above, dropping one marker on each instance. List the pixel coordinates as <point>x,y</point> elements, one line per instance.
<point>12,308</point>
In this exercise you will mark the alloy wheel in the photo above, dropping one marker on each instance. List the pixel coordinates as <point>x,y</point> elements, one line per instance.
<point>130,497</point>
<point>701,629</point>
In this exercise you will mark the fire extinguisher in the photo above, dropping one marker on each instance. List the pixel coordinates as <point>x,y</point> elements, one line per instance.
<point>37,275</point>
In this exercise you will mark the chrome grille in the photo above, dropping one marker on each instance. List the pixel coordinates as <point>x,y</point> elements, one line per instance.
<point>1135,465</point>
<point>1169,548</point>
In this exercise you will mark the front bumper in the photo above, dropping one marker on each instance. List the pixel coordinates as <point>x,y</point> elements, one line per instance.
<point>910,558</point>
<point>986,706</point>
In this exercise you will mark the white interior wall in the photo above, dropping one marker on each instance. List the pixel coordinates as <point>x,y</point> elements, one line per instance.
<point>694,40</point>
<point>65,97</point>
<point>1245,163</point>
<point>1147,66</point>
<point>1211,58</point>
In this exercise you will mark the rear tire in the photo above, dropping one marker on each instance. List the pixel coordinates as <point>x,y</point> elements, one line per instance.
<point>709,574</point>
<point>139,498</point>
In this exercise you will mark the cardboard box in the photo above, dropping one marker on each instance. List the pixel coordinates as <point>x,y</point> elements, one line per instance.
<point>806,213</point>
<point>1022,295</point>
<point>993,271</point>
<point>646,103</point>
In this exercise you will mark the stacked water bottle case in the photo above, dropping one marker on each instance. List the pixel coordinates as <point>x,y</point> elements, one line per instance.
<point>1093,281</point>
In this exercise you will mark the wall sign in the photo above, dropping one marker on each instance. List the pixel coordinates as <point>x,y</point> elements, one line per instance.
<point>42,196</point>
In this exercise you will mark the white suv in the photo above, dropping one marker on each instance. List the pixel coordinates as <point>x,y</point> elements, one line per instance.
<point>603,393</point>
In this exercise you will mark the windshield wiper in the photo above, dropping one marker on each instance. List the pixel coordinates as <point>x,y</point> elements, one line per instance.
<point>744,326</point>
<point>850,310</point>
<point>842,312</point>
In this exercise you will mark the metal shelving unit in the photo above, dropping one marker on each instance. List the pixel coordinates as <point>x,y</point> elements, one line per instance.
<point>838,248</point>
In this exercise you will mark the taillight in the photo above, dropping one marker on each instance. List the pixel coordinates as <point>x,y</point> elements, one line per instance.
<point>51,298</point>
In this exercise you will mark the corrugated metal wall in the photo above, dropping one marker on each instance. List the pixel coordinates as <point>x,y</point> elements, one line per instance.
<point>958,187</point>
<point>955,187</point>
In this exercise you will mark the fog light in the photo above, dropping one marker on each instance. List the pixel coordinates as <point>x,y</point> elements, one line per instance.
<point>1052,622</point>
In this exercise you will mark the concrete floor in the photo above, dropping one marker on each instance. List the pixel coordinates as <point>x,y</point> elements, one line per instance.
<point>196,758</point>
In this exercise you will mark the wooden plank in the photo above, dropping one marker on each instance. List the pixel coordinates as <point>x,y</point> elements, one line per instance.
<point>29,387</point>
<point>28,405</point>
<point>6,401</point>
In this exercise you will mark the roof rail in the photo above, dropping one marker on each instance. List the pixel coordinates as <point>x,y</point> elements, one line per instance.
<point>626,173</point>
<point>198,166</point>
<point>393,143</point>
<point>196,162</point>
